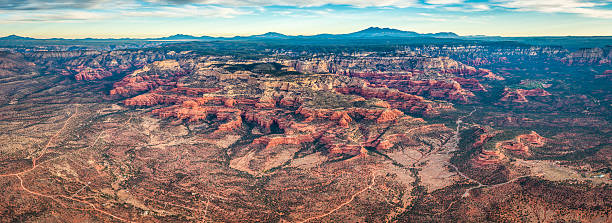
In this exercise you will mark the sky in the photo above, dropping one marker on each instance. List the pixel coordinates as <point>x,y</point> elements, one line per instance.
<point>159,18</point>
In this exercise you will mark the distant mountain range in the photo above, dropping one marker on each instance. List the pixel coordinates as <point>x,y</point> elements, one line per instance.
<point>372,34</point>
<point>369,33</point>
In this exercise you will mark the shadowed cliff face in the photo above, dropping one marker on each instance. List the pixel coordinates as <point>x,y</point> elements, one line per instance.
<point>468,133</point>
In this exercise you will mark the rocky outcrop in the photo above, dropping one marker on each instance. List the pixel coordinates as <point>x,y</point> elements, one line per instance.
<point>519,146</point>
<point>230,126</point>
<point>520,95</point>
<point>267,119</point>
<point>176,95</point>
<point>360,64</point>
<point>283,113</point>
<point>90,74</point>
<point>471,72</point>
<point>129,86</point>
<point>389,115</point>
<point>192,91</point>
<point>399,100</point>
<point>438,89</point>
<point>450,89</point>
<point>471,84</point>
<point>344,116</point>
<point>149,77</point>
<point>387,67</point>
<point>487,158</point>
<point>193,112</point>
<point>151,99</point>
<point>274,141</point>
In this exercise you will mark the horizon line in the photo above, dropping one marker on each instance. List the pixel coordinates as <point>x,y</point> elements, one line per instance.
<point>109,37</point>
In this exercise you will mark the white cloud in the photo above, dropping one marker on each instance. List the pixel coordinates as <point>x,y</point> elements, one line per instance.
<point>482,7</point>
<point>62,10</point>
<point>303,12</point>
<point>443,2</point>
<point>585,8</point>
<point>468,8</point>
<point>188,11</point>
<point>56,16</point>
<point>73,15</point>
<point>297,3</point>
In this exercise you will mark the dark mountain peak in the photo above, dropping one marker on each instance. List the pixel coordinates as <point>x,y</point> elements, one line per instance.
<point>443,34</point>
<point>181,36</point>
<point>271,35</point>
<point>382,32</point>
<point>15,37</point>
<point>374,29</point>
<point>274,33</point>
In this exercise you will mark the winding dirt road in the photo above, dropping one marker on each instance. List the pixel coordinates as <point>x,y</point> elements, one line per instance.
<point>345,203</point>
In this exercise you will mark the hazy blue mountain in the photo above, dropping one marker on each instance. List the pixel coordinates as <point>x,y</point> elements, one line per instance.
<point>15,37</point>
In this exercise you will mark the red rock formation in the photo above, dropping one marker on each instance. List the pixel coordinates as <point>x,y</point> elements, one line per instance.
<point>290,101</point>
<point>520,145</point>
<point>449,90</point>
<point>519,95</point>
<point>346,149</point>
<point>276,113</point>
<point>230,102</point>
<point>266,102</point>
<point>273,141</point>
<point>488,157</point>
<point>471,84</point>
<point>266,118</point>
<point>132,85</point>
<point>151,99</point>
<point>514,147</point>
<point>88,73</point>
<point>192,111</point>
<point>343,119</point>
<point>152,75</point>
<point>532,139</point>
<point>388,141</point>
<point>482,139</point>
<point>330,134</point>
<point>438,89</point>
<point>490,75</point>
<point>399,100</point>
<point>230,126</point>
<point>384,115</point>
<point>389,115</point>
<point>193,91</point>
<point>471,72</point>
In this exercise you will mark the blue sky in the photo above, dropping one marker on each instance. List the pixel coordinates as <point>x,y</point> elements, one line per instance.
<point>156,18</point>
